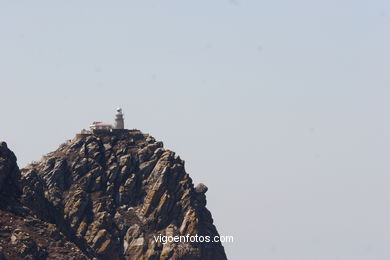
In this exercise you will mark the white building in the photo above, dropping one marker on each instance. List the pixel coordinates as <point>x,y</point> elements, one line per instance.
<point>119,121</point>
<point>104,127</point>
<point>100,126</point>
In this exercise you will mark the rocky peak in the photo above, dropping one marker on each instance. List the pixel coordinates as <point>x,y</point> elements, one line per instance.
<point>111,193</point>
<point>9,176</point>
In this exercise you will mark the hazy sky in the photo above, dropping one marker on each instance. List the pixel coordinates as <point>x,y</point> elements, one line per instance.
<point>280,107</point>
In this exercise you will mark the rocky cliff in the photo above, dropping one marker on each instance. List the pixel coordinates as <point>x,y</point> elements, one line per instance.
<point>9,176</point>
<point>22,235</point>
<point>109,196</point>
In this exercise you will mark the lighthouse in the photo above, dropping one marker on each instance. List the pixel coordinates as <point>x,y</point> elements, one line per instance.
<point>119,122</point>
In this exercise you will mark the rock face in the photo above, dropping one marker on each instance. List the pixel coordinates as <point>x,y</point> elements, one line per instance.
<point>22,235</point>
<point>111,195</point>
<point>9,176</point>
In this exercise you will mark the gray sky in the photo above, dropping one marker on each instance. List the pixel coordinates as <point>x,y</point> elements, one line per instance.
<point>279,107</point>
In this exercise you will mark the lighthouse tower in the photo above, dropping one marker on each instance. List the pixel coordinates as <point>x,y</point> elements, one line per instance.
<point>119,122</point>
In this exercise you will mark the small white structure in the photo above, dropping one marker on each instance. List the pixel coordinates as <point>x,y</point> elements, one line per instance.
<point>119,121</point>
<point>100,126</point>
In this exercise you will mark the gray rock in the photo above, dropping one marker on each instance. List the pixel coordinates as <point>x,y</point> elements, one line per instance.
<point>111,194</point>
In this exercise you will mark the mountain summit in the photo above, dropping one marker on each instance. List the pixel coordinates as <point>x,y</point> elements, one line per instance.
<point>106,196</point>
